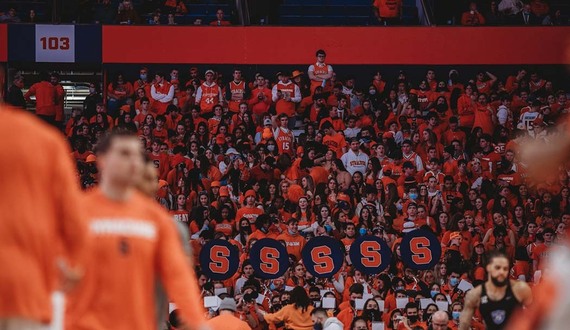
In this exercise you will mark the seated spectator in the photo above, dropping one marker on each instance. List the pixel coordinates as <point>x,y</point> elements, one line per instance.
<point>104,12</point>
<point>10,17</point>
<point>176,7</point>
<point>526,17</point>
<point>472,17</point>
<point>219,21</point>
<point>127,13</point>
<point>556,18</point>
<point>388,12</point>
<point>32,17</point>
<point>539,8</point>
<point>493,15</point>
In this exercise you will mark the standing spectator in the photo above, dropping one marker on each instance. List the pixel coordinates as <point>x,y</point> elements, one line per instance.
<point>237,91</point>
<point>162,92</point>
<point>118,92</point>
<point>15,96</point>
<point>127,13</point>
<point>286,94</point>
<point>388,12</point>
<point>208,94</point>
<point>539,8</point>
<point>227,319</point>
<point>91,101</point>
<point>60,98</point>
<point>526,17</point>
<point>46,175</point>
<point>472,17</point>
<point>320,72</point>
<point>219,21</point>
<point>32,17</point>
<point>354,159</point>
<point>45,98</point>
<point>10,17</point>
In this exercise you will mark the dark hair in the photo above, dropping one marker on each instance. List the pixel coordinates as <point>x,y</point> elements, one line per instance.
<point>496,254</point>
<point>356,319</point>
<point>300,299</point>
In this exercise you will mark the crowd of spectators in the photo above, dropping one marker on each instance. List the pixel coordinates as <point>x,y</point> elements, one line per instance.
<point>306,154</point>
<point>387,12</point>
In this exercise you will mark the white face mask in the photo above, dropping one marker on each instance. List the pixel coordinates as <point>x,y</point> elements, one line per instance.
<point>270,147</point>
<point>372,91</point>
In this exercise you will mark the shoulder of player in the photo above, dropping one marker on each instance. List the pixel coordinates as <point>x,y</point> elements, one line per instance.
<point>520,287</point>
<point>473,296</point>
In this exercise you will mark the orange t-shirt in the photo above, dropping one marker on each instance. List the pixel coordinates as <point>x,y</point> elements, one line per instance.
<point>40,214</point>
<point>388,8</point>
<point>335,143</point>
<point>294,243</point>
<point>45,98</point>
<point>135,243</point>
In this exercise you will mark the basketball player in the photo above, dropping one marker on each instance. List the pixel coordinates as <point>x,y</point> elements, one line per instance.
<point>39,213</point>
<point>497,298</point>
<point>135,243</point>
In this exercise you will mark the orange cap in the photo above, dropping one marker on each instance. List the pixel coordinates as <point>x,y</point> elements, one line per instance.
<point>91,159</point>
<point>250,193</point>
<point>215,184</point>
<point>224,192</point>
<point>162,183</point>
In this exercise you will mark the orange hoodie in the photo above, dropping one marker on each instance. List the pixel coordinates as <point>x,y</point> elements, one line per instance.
<point>294,318</point>
<point>39,214</point>
<point>135,243</point>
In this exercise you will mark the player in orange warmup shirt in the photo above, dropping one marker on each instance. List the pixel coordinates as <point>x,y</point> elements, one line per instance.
<point>35,186</point>
<point>135,244</point>
<point>45,95</point>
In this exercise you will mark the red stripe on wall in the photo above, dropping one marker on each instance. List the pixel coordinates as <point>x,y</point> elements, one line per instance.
<point>344,45</point>
<point>3,42</point>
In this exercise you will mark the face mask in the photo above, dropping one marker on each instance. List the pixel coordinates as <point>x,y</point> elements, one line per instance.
<point>270,147</point>
<point>399,207</point>
<point>433,293</point>
<point>173,77</point>
<point>91,90</point>
<point>317,326</point>
<point>328,228</point>
<point>427,316</point>
<point>143,76</point>
<point>453,281</point>
<point>413,319</point>
<point>413,196</point>
<point>399,288</point>
<point>372,91</point>
<point>317,303</point>
<point>284,302</point>
<point>272,288</point>
<point>362,231</point>
<point>373,315</point>
<point>455,315</point>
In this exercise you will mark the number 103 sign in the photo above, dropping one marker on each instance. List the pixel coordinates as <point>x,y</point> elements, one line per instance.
<point>55,43</point>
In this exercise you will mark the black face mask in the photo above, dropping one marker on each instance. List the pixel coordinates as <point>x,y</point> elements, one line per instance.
<point>413,319</point>
<point>317,326</point>
<point>427,316</point>
<point>284,302</point>
<point>373,315</point>
<point>276,307</point>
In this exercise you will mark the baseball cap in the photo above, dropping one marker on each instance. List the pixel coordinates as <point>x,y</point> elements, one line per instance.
<point>249,193</point>
<point>91,159</point>
<point>210,71</point>
<point>224,192</point>
<point>232,151</point>
<point>215,184</point>
<point>162,183</point>
<point>228,304</point>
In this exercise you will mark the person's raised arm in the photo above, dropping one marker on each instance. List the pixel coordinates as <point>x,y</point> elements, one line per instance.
<point>471,303</point>
<point>492,76</point>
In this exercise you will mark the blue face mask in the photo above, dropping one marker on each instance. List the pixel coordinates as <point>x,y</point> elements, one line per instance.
<point>453,281</point>
<point>455,315</point>
<point>272,286</point>
<point>433,293</point>
<point>328,228</point>
<point>143,76</point>
<point>413,196</point>
<point>399,207</point>
<point>362,231</point>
